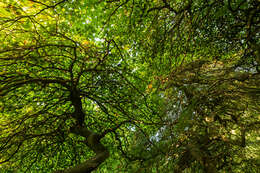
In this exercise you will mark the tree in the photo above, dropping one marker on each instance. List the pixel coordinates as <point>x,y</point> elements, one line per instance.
<point>146,86</point>
<point>204,55</point>
<point>53,85</point>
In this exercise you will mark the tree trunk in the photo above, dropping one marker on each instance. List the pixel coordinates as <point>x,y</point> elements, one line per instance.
<point>93,142</point>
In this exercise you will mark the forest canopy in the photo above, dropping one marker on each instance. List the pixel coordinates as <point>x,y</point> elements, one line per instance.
<point>138,86</point>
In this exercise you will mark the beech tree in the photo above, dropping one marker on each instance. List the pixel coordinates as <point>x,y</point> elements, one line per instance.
<point>129,86</point>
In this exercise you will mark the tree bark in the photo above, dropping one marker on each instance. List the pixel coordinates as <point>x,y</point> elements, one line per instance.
<point>93,142</point>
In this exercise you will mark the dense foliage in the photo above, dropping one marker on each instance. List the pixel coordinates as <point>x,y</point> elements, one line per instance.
<point>129,86</point>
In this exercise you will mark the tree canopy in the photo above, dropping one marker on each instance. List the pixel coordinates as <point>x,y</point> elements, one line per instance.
<point>129,86</point>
